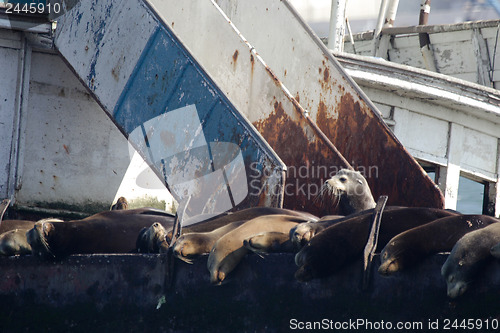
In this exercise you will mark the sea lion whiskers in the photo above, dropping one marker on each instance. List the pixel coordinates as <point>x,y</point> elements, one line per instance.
<point>328,195</point>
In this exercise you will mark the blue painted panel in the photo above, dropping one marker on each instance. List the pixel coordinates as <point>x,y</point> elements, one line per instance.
<point>168,82</point>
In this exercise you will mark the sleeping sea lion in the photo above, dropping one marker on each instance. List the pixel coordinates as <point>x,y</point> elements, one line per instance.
<point>228,251</point>
<point>469,255</point>
<point>304,232</point>
<point>412,246</point>
<point>243,215</point>
<point>269,242</point>
<point>344,241</point>
<point>194,244</point>
<point>14,242</point>
<point>113,231</point>
<point>13,239</point>
<point>148,236</point>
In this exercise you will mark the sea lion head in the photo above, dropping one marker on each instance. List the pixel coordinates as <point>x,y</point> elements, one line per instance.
<point>189,246</point>
<point>348,189</point>
<point>455,287</point>
<point>151,239</point>
<point>455,270</point>
<point>12,243</point>
<point>302,234</point>
<point>39,238</point>
<point>120,204</point>
<point>390,262</point>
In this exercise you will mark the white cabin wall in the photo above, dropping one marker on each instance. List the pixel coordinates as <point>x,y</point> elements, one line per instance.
<point>12,54</point>
<point>457,141</point>
<point>71,155</point>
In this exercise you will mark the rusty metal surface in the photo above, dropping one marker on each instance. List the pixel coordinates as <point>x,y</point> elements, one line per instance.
<point>252,86</point>
<point>335,103</point>
<point>169,107</point>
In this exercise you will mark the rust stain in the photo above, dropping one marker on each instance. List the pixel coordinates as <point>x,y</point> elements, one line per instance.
<point>364,142</point>
<point>66,149</point>
<point>309,160</point>
<point>115,72</point>
<point>252,62</point>
<point>326,74</point>
<point>235,59</point>
<point>273,76</point>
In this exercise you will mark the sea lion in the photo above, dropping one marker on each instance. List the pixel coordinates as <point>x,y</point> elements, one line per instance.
<point>228,251</point>
<point>304,232</point>
<point>469,255</point>
<point>113,231</point>
<point>14,242</point>
<point>412,246</point>
<point>495,251</point>
<point>13,239</point>
<point>152,239</point>
<point>192,245</point>
<point>120,204</point>
<point>269,242</point>
<point>148,239</point>
<point>344,241</point>
<point>7,225</point>
<point>349,190</point>
<point>243,215</point>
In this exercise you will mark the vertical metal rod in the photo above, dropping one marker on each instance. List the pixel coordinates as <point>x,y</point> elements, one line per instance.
<point>348,25</point>
<point>371,244</point>
<point>390,15</point>
<point>424,39</point>
<point>378,28</point>
<point>337,29</point>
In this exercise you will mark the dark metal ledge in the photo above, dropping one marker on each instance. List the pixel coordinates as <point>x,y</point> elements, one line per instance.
<point>126,292</point>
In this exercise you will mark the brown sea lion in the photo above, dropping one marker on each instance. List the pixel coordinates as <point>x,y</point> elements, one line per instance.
<point>302,234</point>
<point>412,246</point>
<point>194,244</point>
<point>269,242</point>
<point>113,231</point>
<point>152,239</point>
<point>228,251</point>
<point>148,239</point>
<point>14,242</point>
<point>120,204</point>
<point>344,241</point>
<point>244,215</point>
<point>349,190</point>
<point>7,225</point>
<point>13,239</point>
<point>468,257</point>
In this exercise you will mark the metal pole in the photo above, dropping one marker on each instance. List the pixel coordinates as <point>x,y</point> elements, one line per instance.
<point>424,39</point>
<point>390,15</point>
<point>337,27</point>
<point>378,28</point>
<point>425,9</point>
